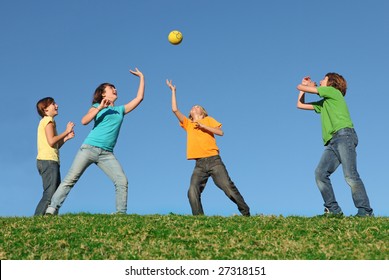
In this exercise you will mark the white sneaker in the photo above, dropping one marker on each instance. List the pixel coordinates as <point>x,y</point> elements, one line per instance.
<point>51,211</point>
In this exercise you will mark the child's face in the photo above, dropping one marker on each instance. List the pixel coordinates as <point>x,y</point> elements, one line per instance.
<point>196,111</point>
<point>52,110</point>
<point>324,82</point>
<point>110,93</point>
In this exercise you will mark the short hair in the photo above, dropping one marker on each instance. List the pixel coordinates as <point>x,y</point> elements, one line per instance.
<point>98,95</point>
<point>42,104</point>
<point>337,81</point>
<point>202,109</point>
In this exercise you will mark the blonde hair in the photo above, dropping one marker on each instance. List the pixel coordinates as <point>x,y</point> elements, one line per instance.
<point>202,109</point>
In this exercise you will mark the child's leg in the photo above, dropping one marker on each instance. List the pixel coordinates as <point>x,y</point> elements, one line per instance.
<point>112,168</point>
<point>223,181</point>
<point>197,184</point>
<point>327,165</point>
<point>345,145</point>
<point>85,157</point>
<point>51,178</point>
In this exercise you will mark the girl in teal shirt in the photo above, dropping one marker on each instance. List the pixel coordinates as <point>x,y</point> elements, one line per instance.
<point>99,144</point>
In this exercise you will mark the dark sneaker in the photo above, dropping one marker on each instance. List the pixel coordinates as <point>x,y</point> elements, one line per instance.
<point>328,214</point>
<point>365,215</point>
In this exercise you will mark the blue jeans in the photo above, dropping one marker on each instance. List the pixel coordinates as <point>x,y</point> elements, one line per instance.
<point>215,168</point>
<point>107,162</point>
<point>341,150</point>
<point>51,178</point>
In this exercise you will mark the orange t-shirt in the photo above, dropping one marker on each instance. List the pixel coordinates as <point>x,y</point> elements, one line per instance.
<point>200,144</point>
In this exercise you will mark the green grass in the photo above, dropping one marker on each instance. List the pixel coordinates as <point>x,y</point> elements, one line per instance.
<point>176,237</point>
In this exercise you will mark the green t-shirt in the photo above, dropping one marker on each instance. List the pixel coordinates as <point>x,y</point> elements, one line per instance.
<point>333,110</point>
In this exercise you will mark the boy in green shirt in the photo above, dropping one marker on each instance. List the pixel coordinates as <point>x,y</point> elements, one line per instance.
<point>340,141</point>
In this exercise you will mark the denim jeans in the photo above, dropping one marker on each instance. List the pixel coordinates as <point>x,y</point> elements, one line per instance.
<point>107,162</point>
<point>215,168</point>
<point>51,178</point>
<point>341,150</point>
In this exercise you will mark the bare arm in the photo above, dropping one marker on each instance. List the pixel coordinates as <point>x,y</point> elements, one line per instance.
<point>175,110</point>
<point>307,85</point>
<point>94,111</point>
<point>307,88</point>
<point>301,102</point>
<point>53,139</point>
<point>214,130</point>
<point>139,96</point>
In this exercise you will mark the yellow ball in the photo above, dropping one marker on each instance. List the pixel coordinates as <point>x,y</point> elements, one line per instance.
<point>175,37</point>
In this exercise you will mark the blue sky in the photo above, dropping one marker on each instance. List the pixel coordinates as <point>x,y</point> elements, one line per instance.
<point>241,60</point>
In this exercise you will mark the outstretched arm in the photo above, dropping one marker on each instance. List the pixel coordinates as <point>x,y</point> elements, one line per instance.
<point>175,110</point>
<point>140,95</point>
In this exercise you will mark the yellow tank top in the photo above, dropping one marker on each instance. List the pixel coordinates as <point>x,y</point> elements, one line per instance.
<point>45,152</point>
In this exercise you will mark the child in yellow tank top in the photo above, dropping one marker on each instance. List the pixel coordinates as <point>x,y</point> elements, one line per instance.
<point>48,144</point>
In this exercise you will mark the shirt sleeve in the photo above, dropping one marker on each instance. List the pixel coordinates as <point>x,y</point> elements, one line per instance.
<point>212,122</point>
<point>185,123</point>
<point>48,120</point>
<point>122,109</point>
<point>328,92</point>
<point>318,106</point>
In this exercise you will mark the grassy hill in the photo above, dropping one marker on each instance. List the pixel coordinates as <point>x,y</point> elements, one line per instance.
<point>176,237</point>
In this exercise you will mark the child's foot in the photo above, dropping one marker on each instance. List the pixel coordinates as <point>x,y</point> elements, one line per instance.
<point>328,214</point>
<point>364,215</point>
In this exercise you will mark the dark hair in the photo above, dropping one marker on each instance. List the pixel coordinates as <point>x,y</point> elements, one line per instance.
<point>43,104</point>
<point>337,81</point>
<point>98,95</point>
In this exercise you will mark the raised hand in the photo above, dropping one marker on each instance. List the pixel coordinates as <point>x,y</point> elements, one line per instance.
<point>70,127</point>
<point>69,136</point>
<point>308,82</point>
<point>170,85</point>
<point>136,72</point>
<point>104,103</point>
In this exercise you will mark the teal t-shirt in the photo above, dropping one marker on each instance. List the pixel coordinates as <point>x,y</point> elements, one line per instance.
<point>333,110</point>
<point>106,129</point>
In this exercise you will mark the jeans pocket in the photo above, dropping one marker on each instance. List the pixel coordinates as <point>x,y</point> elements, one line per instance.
<point>86,147</point>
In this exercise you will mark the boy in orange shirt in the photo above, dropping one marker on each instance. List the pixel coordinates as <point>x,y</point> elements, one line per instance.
<point>201,146</point>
